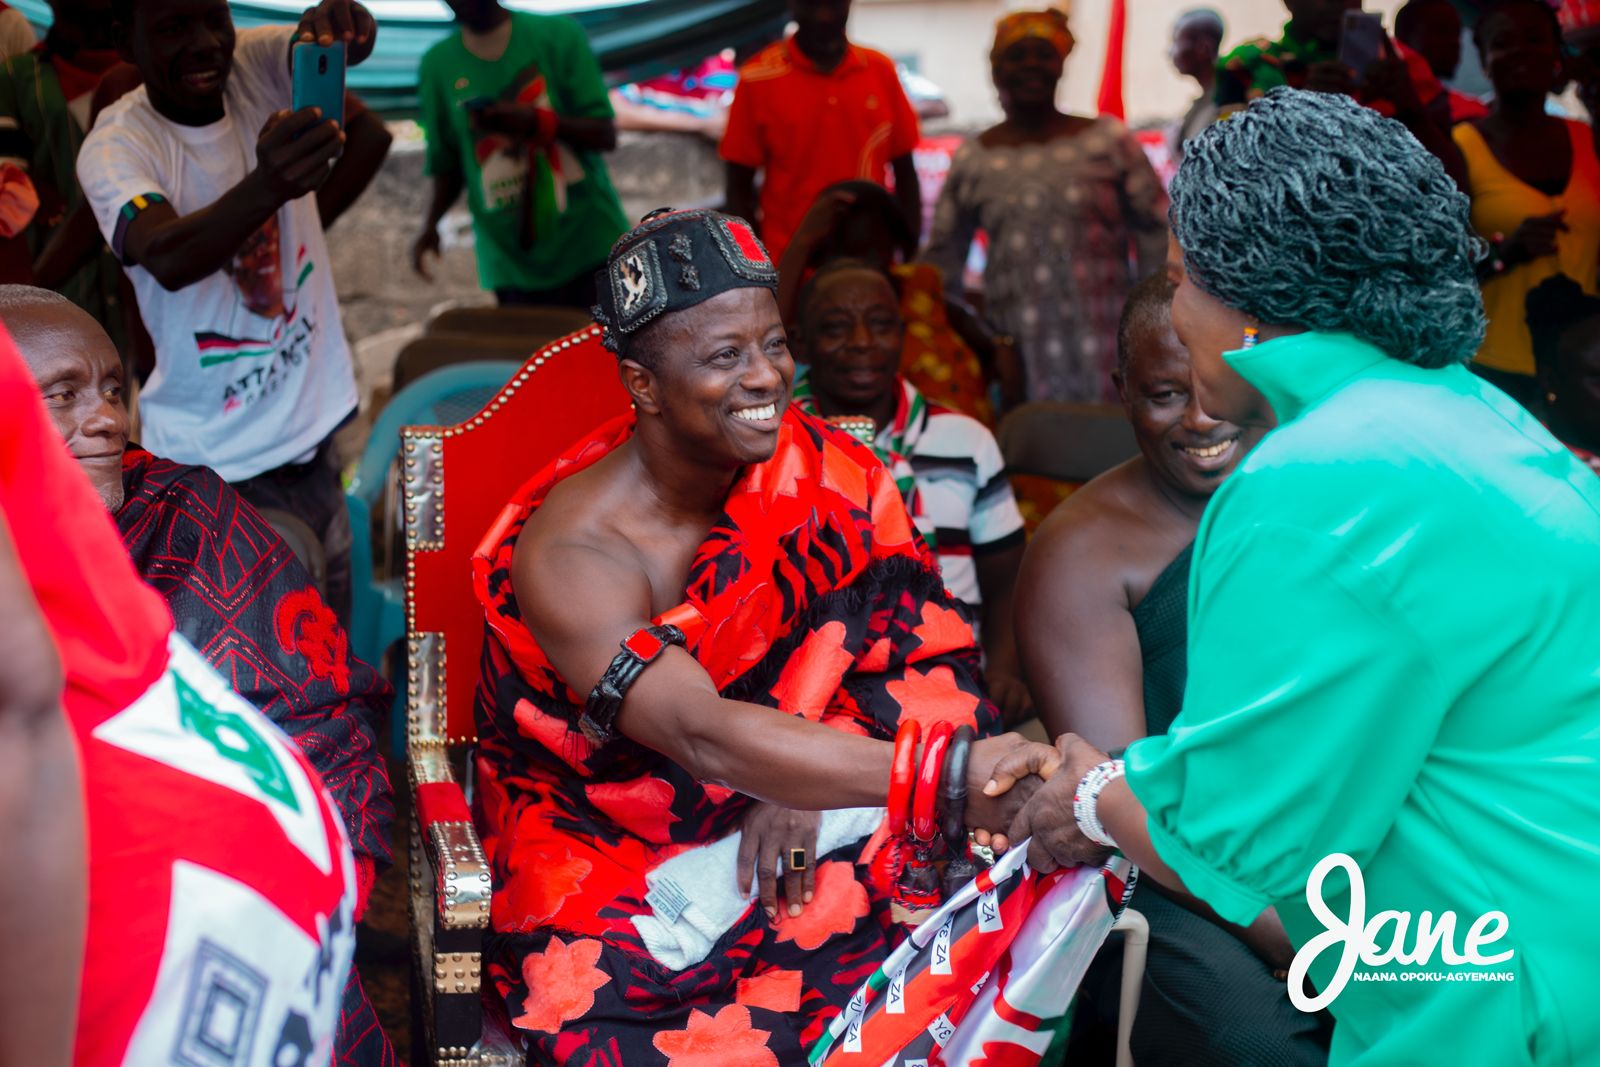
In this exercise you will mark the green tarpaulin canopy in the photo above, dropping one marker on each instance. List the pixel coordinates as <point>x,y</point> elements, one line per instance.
<point>635,39</point>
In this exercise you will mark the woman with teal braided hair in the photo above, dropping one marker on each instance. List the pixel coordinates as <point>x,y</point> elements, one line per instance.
<point>1391,726</point>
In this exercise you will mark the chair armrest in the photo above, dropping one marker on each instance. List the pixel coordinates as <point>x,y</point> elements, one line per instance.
<point>450,907</point>
<point>454,852</point>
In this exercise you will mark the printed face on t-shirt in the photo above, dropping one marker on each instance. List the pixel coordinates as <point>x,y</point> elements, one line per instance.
<point>184,51</point>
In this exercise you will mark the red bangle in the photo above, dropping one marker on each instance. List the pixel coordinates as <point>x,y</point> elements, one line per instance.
<point>925,808</point>
<point>903,775</point>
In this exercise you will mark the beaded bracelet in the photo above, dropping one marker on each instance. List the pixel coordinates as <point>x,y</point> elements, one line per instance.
<point>903,776</point>
<point>925,807</point>
<point>1087,798</point>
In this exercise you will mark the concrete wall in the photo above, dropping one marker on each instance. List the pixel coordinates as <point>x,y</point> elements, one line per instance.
<point>948,41</point>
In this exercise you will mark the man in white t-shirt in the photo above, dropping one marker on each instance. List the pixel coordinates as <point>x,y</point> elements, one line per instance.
<point>201,180</point>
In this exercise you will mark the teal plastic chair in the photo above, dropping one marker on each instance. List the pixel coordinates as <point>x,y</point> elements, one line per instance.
<point>442,397</point>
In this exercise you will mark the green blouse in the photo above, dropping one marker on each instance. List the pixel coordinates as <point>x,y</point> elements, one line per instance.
<point>1394,653</point>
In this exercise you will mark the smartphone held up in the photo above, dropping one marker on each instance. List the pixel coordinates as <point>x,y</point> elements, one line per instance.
<point>318,74</point>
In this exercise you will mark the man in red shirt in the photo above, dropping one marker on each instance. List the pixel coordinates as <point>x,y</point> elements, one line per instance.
<point>221,885</point>
<point>812,110</point>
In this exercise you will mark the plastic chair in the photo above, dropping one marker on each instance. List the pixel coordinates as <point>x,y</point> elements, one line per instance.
<point>444,397</point>
<point>1135,943</point>
<point>1066,442</point>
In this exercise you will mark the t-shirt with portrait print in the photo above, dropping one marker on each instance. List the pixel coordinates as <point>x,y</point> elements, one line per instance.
<point>252,367</point>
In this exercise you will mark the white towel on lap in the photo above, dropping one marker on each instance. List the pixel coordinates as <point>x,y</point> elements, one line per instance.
<point>695,895</point>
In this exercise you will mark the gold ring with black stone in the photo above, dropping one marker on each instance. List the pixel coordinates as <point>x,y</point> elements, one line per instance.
<point>797,859</point>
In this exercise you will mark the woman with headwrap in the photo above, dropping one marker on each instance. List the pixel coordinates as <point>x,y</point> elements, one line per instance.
<point>1068,202</point>
<point>1392,714</point>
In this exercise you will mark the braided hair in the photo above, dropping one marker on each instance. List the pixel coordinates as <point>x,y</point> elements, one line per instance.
<point>1307,209</point>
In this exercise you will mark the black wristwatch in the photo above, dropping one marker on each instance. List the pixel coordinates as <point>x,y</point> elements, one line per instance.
<point>639,650</point>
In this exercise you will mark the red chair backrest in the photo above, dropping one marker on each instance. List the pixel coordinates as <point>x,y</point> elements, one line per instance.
<point>456,480</point>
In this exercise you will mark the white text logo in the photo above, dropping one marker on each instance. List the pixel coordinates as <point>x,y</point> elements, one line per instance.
<point>1363,939</point>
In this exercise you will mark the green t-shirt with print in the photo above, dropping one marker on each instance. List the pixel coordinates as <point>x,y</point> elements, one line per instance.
<point>1252,69</point>
<point>542,217</point>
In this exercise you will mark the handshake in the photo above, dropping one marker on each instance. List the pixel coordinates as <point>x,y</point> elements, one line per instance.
<point>1016,790</point>
<point>1020,790</point>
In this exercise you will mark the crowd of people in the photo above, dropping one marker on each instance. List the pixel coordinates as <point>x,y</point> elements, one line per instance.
<point>1337,605</point>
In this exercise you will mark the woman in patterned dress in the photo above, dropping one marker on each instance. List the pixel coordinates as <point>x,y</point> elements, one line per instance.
<point>1074,212</point>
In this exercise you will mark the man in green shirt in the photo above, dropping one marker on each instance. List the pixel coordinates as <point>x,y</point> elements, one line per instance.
<point>1392,716</point>
<point>517,114</point>
<point>1305,57</point>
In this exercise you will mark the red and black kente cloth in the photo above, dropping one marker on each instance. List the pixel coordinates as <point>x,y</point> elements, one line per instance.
<point>237,592</point>
<point>811,594</point>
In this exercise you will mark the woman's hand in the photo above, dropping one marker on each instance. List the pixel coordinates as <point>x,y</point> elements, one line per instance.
<point>1048,818</point>
<point>1534,239</point>
<point>1002,773</point>
<point>769,833</point>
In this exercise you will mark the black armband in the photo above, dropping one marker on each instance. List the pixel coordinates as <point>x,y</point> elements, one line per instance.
<point>639,650</point>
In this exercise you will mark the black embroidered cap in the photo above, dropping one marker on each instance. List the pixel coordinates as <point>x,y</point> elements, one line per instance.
<point>674,260</point>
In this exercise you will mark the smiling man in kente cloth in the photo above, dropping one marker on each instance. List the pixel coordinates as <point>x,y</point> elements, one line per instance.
<point>780,616</point>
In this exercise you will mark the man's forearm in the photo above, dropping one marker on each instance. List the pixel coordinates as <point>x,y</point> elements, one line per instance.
<point>366,146</point>
<point>74,243</point>
<point>770,755</point>
<point>587,134</point>
<point>188,248</point>
<point>446,187</point>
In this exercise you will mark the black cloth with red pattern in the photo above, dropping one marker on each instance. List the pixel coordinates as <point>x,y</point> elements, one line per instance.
<point>239,595</point>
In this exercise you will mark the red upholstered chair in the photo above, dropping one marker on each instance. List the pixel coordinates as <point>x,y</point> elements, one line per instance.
<point>455,481</point>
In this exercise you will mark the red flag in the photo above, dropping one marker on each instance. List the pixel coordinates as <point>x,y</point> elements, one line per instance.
<point>1110,100</point>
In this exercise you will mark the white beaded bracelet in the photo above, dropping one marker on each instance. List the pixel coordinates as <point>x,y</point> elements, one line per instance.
<point>1087,798</point>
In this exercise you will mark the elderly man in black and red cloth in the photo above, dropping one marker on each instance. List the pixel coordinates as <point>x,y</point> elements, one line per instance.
<point>235,590</point>
<point>780,622</point>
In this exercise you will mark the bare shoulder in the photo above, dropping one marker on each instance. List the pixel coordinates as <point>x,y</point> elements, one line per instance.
<point>570,552</point>
<point>1095,518</point>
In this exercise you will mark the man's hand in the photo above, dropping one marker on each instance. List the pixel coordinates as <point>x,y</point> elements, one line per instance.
<point>522,121</point>
<point>768,834</point>
<point>823,218</point>
<point>1390,79</point>
<point>426,244</point>
<point>1048,818</point>
<point>1002,773</point>
<point>1011,696</point>
<point>1330,76</point>
<point>340,20</point>
<point>294,150</point>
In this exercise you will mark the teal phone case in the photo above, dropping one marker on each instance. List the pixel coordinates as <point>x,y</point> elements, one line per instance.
<point>319,79</point>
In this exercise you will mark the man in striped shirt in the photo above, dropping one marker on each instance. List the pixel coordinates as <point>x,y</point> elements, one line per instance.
<point>947,464</point>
